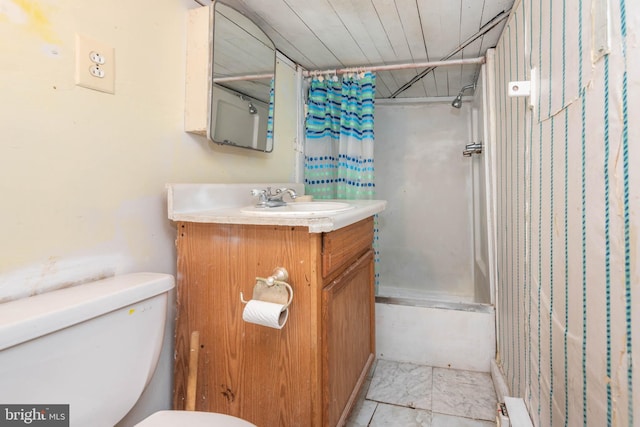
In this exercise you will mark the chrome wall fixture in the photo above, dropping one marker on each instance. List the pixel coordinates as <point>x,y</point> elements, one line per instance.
<point>252,108</point>
<point>473,148</point>
<point>457,102</point>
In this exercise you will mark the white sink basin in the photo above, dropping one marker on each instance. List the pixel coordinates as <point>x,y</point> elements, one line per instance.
<point>302,209</point>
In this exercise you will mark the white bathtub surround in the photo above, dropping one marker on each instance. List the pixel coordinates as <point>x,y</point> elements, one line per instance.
<point>426,232</point>
<point>449,335</point>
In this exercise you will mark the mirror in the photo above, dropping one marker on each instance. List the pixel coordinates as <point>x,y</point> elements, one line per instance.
<point>242,93</point>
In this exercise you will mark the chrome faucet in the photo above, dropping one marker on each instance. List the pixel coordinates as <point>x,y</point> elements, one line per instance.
<point>473,148</point>
<point>267,199</point>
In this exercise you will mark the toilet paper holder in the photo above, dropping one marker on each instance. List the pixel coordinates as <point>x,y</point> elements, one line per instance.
<point>273,289</point>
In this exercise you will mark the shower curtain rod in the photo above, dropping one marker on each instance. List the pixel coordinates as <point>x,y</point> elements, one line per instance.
<point>241,78</point>
<point>431,64</point>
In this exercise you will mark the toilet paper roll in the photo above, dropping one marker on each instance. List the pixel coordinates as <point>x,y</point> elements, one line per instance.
<point>264,313</point>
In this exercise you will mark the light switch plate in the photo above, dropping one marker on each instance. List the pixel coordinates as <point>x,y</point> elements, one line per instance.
<point>95,65</point>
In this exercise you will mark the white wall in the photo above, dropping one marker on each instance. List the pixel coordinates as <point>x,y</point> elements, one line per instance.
<point>82,173</point>
<point>567,213</point>
<point>426,232</point>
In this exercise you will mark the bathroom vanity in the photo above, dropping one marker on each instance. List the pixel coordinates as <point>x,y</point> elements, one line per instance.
<point>309,372</point>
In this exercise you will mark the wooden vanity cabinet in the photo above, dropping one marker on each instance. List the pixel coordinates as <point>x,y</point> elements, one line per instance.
<point>309,372</point>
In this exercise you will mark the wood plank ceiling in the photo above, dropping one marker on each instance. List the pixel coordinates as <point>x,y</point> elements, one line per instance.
<point>330,34</point>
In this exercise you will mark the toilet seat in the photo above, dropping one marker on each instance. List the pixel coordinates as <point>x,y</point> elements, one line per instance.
<point>192,419</point>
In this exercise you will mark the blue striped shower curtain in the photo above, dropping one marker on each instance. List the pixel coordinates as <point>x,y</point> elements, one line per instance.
<point>339,138</point>
<point>271,110</point>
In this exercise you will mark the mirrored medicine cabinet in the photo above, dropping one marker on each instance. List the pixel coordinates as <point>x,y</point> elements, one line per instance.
<point>242,91</point>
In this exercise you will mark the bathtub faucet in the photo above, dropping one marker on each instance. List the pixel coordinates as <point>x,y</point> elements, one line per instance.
<point>473,148</point>
<point>267,199</point>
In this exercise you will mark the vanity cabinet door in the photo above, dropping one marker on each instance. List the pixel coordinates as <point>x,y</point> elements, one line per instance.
<point>342,247</point>
<point>348,335</point>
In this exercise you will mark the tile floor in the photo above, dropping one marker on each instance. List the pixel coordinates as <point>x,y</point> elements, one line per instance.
<point>405,395</point>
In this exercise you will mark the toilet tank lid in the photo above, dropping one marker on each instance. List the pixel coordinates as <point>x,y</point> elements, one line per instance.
<point>29,318</point>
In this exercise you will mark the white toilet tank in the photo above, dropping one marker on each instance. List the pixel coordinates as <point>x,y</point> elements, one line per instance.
<point>93,346</point>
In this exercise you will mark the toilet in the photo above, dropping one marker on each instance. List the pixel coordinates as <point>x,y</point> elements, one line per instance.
<point>94,347</point>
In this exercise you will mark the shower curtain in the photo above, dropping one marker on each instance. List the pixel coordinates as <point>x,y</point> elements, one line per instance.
<point>339,137</point>
<point>271,110</point>
<point>338,160</point>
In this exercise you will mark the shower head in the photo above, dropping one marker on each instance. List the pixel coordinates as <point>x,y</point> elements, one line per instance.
<point>252,108</point>
<point>457,102</point>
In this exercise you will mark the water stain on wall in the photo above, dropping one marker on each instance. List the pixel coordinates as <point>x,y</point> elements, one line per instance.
<point>30,15</point>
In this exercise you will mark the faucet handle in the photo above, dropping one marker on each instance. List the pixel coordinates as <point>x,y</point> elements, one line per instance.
<point>474,146</point>
<point>261,194</point>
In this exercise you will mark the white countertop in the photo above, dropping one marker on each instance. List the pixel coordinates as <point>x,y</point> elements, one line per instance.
<point>222,204</point>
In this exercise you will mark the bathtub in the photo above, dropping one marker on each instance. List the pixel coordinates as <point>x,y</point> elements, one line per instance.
<point>447,334</point>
